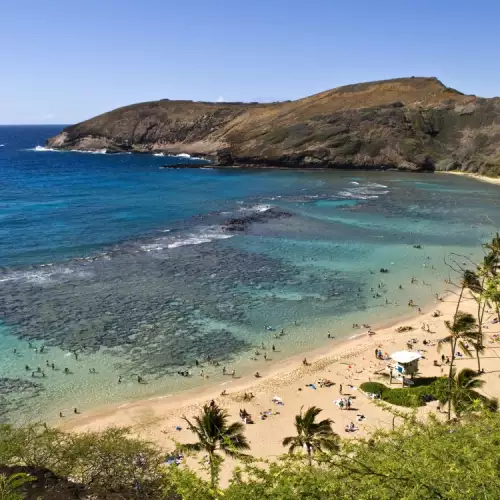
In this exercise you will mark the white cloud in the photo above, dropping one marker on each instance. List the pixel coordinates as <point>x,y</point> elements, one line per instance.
<point>220,99</point>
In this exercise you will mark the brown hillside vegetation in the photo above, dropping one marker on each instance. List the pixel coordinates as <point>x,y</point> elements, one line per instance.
<point>408,123</point>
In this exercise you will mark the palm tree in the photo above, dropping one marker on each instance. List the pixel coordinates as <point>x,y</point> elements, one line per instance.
<point>214,433</point>
<point>475,283</point>
<point>464,392</point>
<point>494,254</point>
<point>464,327</point>
<point>313,435</point>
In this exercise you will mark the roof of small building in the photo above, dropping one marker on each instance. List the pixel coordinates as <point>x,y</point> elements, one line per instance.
<point>405,356</point>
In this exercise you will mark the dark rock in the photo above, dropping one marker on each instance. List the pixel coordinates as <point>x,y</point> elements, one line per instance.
<point>225,158</point>
<point>242,223</point>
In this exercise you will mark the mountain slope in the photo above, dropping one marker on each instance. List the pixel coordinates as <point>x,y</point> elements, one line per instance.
<point>406,123</point>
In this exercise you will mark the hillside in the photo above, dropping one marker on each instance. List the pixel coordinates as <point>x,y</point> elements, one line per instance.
<point>409,123</point>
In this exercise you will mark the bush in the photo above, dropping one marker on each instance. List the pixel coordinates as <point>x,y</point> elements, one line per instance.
<point>407,396</point>
<point>373,387</point>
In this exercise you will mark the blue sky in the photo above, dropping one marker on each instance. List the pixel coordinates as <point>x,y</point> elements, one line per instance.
<point>65,61</point>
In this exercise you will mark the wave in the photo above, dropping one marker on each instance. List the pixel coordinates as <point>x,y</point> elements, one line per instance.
<point>41,148</point>
<point>198,240</point>
<point>205,235</point>
<point>183,155</point>
<point>44,149</point>
<point>98,152</point>
<point>356,196</point>
<point>355,183</point>
<point>158,154</point>
<point>41,276</point>
<point>2,145</point>
<point>256,208</point>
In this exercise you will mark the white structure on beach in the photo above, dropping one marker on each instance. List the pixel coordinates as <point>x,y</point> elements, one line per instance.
<point>406,363</point>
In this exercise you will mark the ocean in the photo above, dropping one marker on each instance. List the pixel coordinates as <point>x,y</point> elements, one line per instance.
<point>112,268</point>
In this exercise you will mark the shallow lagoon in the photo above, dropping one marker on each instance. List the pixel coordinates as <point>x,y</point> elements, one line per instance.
<point>130,266</point>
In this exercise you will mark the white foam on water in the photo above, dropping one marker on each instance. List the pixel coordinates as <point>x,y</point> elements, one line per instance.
<point>183,155</point>
<point>2,145</point>
<point>354,182</point>
<point>97,152</point>
<point>42,276</point>
<point>158,154</point>
<point>205,235</point>
<point>44,149</point>
<point>152,247</point>
<point>356,196</point>
<point>256,208</point>
<point>41,148</point>
<point>198,240</point>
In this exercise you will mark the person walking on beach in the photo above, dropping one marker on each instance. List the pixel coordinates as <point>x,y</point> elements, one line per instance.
<point>340,389</point>
<point>233,373</point>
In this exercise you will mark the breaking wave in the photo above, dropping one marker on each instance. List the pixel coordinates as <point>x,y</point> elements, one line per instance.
<point>44,149</point>
<point>205,235</point>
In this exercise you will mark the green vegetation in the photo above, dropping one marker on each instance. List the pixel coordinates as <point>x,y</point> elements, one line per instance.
<point>433,461</point>
<point>108,461</point>
<point>311,435</point>
<point>455,460</point>
<point>10,486</point>
<point>408,396</point>
<point>214,433</point>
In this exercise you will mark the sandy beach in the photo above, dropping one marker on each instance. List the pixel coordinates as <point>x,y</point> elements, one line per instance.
<point>348,363</point>
<point>477,177</point>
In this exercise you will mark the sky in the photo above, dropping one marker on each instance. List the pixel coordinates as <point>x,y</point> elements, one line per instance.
<point>65,61</point>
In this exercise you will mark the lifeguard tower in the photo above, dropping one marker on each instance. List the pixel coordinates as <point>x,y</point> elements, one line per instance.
<point>406,364</point>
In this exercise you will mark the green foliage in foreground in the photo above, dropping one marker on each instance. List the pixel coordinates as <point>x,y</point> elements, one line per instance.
<point>433,461</point>
<point>10,487</point>
<point>436,460</point>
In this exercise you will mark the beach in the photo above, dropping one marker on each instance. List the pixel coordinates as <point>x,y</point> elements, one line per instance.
<point>477,177</point>
<point>348,363</point>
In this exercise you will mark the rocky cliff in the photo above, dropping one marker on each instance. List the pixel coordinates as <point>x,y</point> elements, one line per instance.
<point>409,124</point>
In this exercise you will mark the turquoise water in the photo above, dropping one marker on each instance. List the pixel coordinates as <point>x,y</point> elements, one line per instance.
<point>132,266</point>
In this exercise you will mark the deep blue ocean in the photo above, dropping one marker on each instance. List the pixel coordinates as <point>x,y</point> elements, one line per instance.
<point>132,266</point>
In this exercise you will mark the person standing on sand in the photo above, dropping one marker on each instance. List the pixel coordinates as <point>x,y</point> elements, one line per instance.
<point>233,373</point>
<point>340,389</point>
